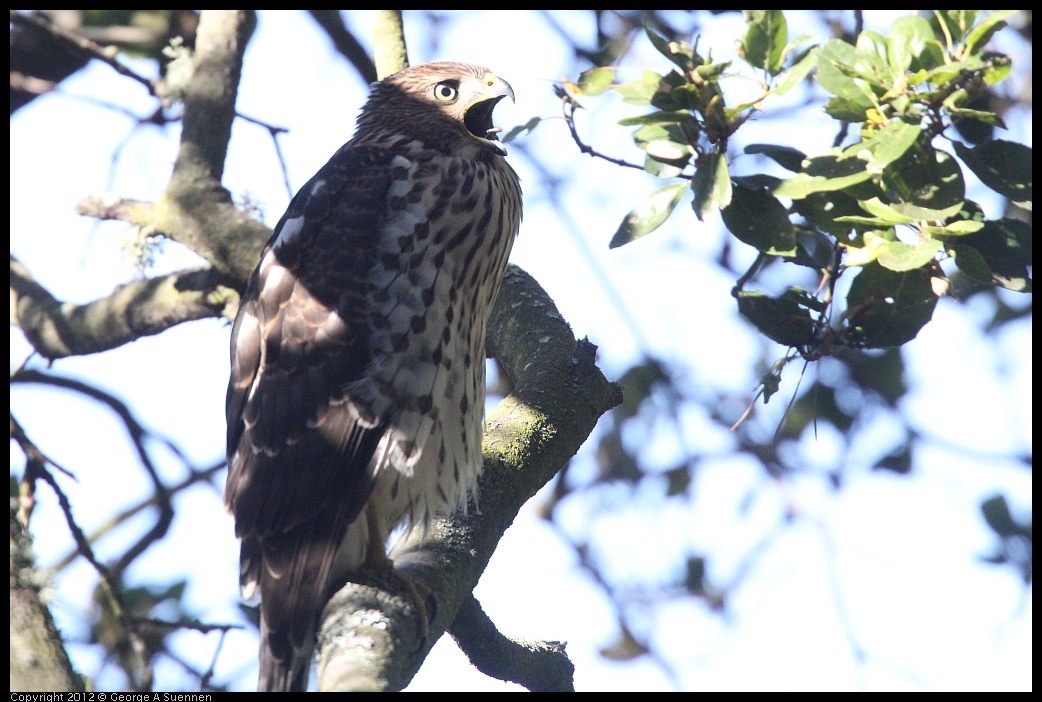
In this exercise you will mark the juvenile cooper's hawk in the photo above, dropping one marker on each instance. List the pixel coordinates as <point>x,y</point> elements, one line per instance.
<point>358,356</point>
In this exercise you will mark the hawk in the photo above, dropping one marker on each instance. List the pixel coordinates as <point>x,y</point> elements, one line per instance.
<point>357,387</point>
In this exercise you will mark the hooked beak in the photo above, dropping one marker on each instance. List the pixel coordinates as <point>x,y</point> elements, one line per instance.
<point>478,118</point>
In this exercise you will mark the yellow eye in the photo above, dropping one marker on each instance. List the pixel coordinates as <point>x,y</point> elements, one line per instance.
<point>445,92</point>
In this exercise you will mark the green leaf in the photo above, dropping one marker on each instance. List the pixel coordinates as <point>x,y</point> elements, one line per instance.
<point>778,318</point>
<point>970,262</point>
<point>997,69</point>
<point>515,132</point>
<point>837,73</point>
<point>658,41</point>
<point>678,480</point>
<point>1004,166</point>
<point>664,132</point>
<point>757,181</point>
<point>925,177</point>
<point>1005,247</point>
<point>871,246</point>
<point>804,298</point>
<point>989,118</point>
<point>865,222</point>
<point>711,184</point>
<point>639,92</point>
<point>899,461</point>
<point>676,92</point>
<point>785,156</point>
<point>885,146</point>
<point>909,37</point>
<point>665,143</point>
<point>885,212</point>
<point>925,214</point>
<point>946,73</point>
<point>886,307</point>
<point>826,210</point>
<point>846,110</point>
<point>803,184</point>
<point>971,210</point>
<point>681,53</point>
<point>763,45</point>
<point>683,118</point>
<point>649,215</point>
<point>792,77</point>
<point>756,218</point>
<point>954,228</point>
<point>957,23</point>
<point>595,80</point>
<point>883,372</point>
<point>712,72</point>
<point>824,173</point>
<point>661,169</point>
<point>669,151</point>
<point>873,57</point>
<point>999,518</point>
<point>813,249</point>
<point>983,32</point>
<point>771,380</point>
<point>625,648</point>
<point>898,256</point>
<point>695,580</point>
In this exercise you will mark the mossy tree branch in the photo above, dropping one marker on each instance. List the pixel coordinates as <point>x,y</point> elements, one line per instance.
<point>370,638</point>
<point>389,52</point>
<point>140,308</point>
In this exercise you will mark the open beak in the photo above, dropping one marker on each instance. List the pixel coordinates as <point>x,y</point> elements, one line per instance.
<point>478,118</point>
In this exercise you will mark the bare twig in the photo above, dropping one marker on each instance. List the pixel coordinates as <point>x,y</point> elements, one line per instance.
<point>569,107</point>
<point>138,436</point>
<point>274,132</point>
<point>31,84</point>
<point>36,463</point>
<point>195,476</point>
<point>110,581</point>
<point>192,624</point>
<point>85,46</point>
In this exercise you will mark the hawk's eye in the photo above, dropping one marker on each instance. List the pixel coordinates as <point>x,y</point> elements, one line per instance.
<point>446,92</point>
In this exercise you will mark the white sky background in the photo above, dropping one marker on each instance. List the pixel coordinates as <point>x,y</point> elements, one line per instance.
<point>902,553</point>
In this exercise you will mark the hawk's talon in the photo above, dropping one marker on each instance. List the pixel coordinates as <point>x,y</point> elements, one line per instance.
<point>417,593</point>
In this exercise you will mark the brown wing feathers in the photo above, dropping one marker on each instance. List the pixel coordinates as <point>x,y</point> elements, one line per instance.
<point>359,341</point>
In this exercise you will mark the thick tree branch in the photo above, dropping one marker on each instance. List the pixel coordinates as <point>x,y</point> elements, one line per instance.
<point>74,42</point>
<point>39,660</point>
<point>210,95</point>
<point>332,23</point>
<point>58,329</point>
<point>389,52</point>
<point>196,210</point>
<point>539,666</point>
<point>39,59</point>
<point>370,638</point>
<point>113,207</point>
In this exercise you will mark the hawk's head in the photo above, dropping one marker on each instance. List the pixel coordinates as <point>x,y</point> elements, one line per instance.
<point>446,104</point>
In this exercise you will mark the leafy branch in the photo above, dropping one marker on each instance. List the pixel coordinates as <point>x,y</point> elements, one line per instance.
<point>887,205</point>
